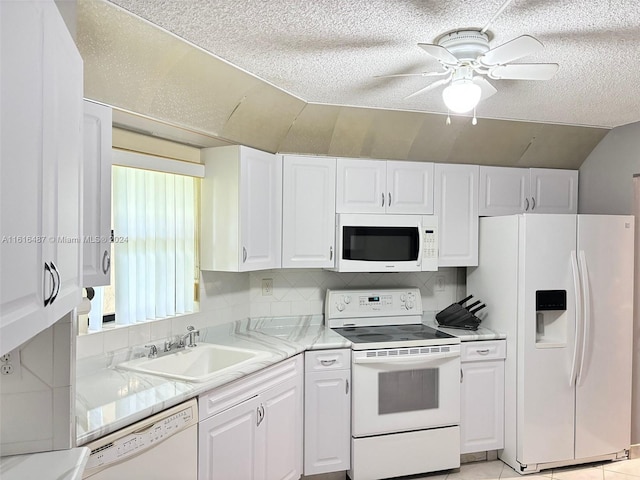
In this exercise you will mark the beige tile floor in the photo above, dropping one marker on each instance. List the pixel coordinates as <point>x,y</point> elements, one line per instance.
<point>496,470</point>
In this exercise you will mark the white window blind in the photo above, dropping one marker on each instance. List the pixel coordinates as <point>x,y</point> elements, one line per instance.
<point>154,218</point>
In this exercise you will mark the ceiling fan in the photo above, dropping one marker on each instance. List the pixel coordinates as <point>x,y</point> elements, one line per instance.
<point>467,58</point>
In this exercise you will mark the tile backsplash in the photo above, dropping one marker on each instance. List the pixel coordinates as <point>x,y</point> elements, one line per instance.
<point>38,397</point>
<point>225,297</point>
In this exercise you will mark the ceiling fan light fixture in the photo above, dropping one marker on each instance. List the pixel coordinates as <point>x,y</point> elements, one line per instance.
<point>461,96</point>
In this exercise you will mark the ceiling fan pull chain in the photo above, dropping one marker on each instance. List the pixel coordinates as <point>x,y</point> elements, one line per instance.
<point>496,15</point>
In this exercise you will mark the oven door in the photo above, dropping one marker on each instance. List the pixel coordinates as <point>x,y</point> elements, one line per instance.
<point>404,389</point>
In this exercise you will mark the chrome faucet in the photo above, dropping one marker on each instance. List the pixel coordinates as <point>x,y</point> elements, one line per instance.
<point>153,350</point>
<point>191,334</point>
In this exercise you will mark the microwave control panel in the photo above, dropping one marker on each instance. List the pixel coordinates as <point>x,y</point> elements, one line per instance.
<point>351,305</point>
<point>429,243</point>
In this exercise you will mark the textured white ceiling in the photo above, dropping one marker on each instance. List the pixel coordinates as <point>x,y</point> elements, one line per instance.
<point>328,51</point>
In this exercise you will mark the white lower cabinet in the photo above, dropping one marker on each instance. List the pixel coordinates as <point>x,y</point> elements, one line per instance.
<point>252,429</point>
<point>482,396</point>
<point>327,411</point>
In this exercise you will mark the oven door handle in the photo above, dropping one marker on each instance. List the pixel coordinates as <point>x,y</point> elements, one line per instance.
<point>409,359</point>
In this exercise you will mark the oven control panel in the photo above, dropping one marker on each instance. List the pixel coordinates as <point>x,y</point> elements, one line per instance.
<point>396,302</point>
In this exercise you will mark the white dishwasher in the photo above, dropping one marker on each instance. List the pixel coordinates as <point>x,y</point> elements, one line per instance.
<point>161,447</point>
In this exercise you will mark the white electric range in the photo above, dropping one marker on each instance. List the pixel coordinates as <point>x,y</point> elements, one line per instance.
<point>405,384</point>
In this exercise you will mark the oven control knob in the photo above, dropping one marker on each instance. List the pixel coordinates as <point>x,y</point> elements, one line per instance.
<point>410,305</point>
<point>340,307</point>
<point>403,297</point>
<point>347,299</point>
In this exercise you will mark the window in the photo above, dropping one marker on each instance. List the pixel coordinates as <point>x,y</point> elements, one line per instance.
<point>154,219</point>
<point>154,272</point>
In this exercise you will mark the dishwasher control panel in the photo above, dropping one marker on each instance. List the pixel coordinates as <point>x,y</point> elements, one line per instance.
<point>137,438</point>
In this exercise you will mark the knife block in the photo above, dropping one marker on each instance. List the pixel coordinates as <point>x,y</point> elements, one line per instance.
<point>456,316</point>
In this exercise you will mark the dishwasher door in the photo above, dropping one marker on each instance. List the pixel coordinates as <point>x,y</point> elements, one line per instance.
<point>161,447</point>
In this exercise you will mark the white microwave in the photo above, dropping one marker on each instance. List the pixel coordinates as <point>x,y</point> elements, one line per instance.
<point>386,243</point>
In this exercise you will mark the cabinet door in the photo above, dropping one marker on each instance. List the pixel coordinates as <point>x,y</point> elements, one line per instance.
<point>327,422</point>
<point>308,212</point>
<point>260,210</point>
<point>361,186</point>
<point>228,447</point>
<point>456,205</point>
<point>62,153</point>
<point>96,227</point>
<point>503,191</point>
<point>482,412</point>
<point>554,191</point>
<point>21,174</point>
<point>410,187</point>
<point>282,430</point>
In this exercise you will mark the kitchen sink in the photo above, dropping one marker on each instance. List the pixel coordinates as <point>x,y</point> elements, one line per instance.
<point>197,364</point>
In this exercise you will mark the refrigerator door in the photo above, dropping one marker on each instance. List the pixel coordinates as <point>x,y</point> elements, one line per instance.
<point>546,339</point>
<point>603,392</point>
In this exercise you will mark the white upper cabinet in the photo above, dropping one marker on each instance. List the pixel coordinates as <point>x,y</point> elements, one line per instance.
<point>379,186</point>
<point>241,210</point>
<point>554,191</point>
<point>96,226</point>
<point>308,212</point>
<point>503,191</point>
<point>506,191</point>
<point>456,206</point>
<point>41,249</point>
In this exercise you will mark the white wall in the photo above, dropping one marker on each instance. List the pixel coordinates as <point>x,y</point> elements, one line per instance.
<point>606,176</point>
<point>607,187</point>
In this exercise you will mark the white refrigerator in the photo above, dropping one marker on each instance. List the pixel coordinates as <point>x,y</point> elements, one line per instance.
<point>561,288</point>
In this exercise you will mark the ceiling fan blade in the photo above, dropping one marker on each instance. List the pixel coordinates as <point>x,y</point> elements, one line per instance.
<point>525,71</point>
<point>486,88</point>
<point>429,87</point>
<point>426,74</point>
<point>440,53</point>
<point>512,50</point>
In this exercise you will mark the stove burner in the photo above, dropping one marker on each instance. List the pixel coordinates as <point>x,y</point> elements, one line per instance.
<point>410,328</point>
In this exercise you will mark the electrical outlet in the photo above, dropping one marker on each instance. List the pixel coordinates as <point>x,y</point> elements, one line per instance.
<point>6,369</point>
<point>6,358</point>
<point>439,283</point>
<point>267,287</point>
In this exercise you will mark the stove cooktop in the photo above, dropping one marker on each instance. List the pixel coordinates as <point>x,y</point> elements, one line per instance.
<point>393,336</point>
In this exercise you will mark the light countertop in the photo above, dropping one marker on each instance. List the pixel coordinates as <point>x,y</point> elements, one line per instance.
<point>56,465</point>
<point>480,334</point>
<point>108,398</point>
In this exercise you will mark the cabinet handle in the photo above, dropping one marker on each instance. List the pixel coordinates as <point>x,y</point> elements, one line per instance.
<point>260,415</point>
<point>326,363</point>
<point>53,284</point>
<point>533,203</point>
<point>483,351</point>
<point>526,205</point>
<point>346,387</point>
<point>330,253</point>
<point>461,375</point>
<point>106,262</point>
<point>389,203</point>
<point>55,270</point>
<point>382,199</point>
<point>244,254</point>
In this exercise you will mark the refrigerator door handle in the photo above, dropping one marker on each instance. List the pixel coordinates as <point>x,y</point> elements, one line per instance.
<point>576,288</point>
<point>586,308</point>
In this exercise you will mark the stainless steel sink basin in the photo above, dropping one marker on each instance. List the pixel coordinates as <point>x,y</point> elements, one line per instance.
<point>197,364</point>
